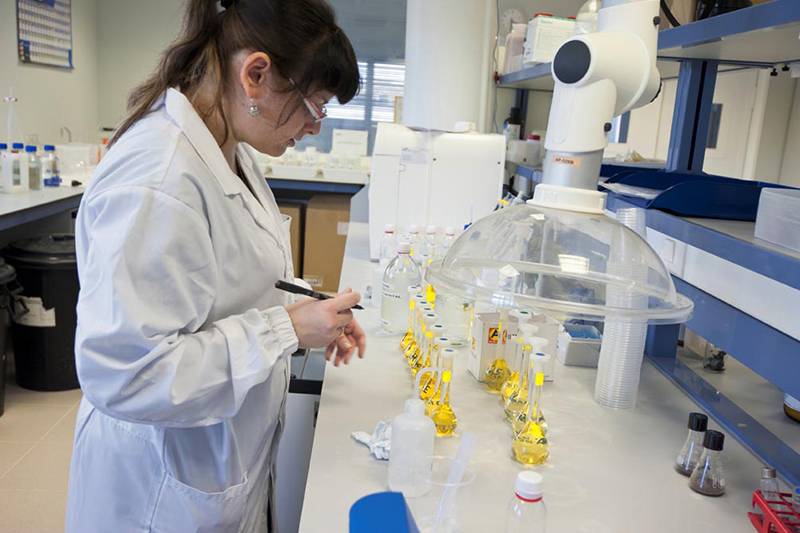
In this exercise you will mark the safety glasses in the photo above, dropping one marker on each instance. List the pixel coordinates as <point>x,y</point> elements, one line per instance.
<point>317,112</point>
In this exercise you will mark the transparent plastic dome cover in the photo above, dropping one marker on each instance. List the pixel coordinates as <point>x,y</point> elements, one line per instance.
<point>567,264</point>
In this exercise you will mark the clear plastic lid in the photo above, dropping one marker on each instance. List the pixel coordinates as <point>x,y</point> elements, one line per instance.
<point>564,263</point>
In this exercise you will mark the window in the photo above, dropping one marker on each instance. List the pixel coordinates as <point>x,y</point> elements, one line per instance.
<point>381,83</point>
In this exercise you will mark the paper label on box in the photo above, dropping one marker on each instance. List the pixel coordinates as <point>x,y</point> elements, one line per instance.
<point>313,280</point>
<point>342,227</point>
<point>37,316</point>
<point>493,336</point>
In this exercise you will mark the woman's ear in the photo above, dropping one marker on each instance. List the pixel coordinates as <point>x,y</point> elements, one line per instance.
<point>256,69</point>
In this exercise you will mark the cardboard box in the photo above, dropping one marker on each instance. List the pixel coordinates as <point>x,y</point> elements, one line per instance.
<point>327,219</point>
<point>544,37</point>
<point>295,212</point>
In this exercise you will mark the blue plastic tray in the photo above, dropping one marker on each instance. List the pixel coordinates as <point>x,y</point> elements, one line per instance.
<point>691,195</point>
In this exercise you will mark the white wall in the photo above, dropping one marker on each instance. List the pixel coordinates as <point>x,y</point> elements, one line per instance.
<point>790,168</point>
<point>132,37</point>
<point>50,98</point>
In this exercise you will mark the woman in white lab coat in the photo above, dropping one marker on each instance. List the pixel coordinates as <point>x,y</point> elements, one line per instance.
<point>182,344</point>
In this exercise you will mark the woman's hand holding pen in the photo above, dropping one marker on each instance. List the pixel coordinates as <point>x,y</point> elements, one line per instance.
<point>329,324</point>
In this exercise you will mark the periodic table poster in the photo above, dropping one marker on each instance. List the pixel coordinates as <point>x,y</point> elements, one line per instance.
<point>44,32</point>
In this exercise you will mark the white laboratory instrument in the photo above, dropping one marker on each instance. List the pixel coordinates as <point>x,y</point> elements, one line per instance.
<point>559,252</point>
<point>432,177</point>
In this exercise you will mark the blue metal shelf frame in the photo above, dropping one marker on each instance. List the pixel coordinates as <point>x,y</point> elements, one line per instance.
<point>770,353</point>
<point>758,17</point>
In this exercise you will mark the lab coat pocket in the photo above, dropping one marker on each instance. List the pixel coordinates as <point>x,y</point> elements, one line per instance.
<point>186,509</point>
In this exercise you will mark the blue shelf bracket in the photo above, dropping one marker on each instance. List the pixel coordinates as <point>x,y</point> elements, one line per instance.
<point>695,94</point>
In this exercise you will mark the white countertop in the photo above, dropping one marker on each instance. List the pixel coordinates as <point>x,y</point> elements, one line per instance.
<point>609,471</point>
<point>14,202</point>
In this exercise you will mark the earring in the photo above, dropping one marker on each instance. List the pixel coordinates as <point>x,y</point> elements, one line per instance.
<point>253,109</point>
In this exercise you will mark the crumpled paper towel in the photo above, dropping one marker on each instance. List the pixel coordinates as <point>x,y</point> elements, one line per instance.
<point>379,443</point>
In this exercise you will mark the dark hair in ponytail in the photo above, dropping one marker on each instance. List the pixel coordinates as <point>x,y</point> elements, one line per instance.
<point>300,36</point>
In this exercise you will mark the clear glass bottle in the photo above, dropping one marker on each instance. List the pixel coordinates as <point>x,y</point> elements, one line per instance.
<point>530,446</point>
<point>16,155</point>
<point>443,416</point>
<point>527,512</point>
<point>34,169</point>
<point>693,447</point>
<point>708,477</point>
<point>386,252</point>
<point>402,273</point>
<point>51,168</point>
<point>769,485</point>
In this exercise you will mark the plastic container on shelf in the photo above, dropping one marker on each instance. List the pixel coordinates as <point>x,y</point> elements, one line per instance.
<point>44,337</point>
<point>778,217</point>
<point>515,40</point>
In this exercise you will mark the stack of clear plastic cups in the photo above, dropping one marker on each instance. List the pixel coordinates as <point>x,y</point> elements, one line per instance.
<point>622,350</point>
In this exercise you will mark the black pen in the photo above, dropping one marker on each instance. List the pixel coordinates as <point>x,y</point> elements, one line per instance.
<point>297,289</point>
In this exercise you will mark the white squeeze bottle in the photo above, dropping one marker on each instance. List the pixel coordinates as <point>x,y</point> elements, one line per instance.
<point>411,453</point>
<point>401,273</point>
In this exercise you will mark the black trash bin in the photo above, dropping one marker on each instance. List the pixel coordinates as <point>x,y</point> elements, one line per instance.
<point>44,336</point>
<point>8,288</point>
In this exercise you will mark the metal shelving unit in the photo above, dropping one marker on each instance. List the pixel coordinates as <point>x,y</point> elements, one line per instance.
<point>765,35</point>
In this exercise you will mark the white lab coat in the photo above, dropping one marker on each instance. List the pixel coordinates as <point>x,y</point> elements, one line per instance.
<point>182,344</point>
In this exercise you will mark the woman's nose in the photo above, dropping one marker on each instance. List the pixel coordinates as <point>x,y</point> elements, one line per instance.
<point>313,128</point>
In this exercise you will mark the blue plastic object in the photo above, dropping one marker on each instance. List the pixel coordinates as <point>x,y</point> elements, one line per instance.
<point>582,331</point>
<point>691,195</point>
<point>386,512</point>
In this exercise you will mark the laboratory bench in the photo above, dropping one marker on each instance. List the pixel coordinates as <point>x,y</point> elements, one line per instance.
<point>29,206</point>
<point>609,471</point>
